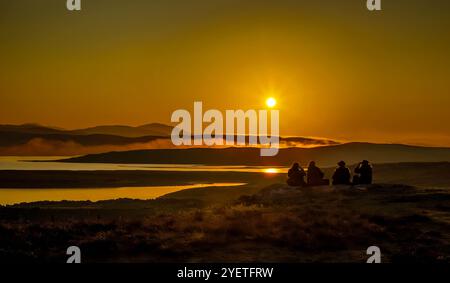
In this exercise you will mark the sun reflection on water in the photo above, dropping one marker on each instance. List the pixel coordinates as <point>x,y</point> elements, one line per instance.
<point>272,171</point>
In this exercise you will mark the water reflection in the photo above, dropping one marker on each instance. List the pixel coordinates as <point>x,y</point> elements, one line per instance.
<point>13,196</point>
<point>272,170</point>
<point>26,163</point>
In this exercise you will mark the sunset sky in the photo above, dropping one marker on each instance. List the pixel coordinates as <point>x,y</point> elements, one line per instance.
<point>336,69</point>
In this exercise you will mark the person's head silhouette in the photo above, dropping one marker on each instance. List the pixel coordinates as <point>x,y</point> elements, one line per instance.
<point>341,163</point>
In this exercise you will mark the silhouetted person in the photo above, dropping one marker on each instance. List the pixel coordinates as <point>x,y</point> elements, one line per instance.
<point>341,175</point>
<point>315,176</point>
<point>296,176</point>
<point>364,171</point>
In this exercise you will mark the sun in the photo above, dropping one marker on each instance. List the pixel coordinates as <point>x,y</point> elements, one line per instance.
<point>271,102</point>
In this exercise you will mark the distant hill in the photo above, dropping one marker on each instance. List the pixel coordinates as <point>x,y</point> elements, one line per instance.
<point>17,138</point>
<point>324,156</point>
<point>36,140</point>
<point>154,129</point>
<point>30,129</point>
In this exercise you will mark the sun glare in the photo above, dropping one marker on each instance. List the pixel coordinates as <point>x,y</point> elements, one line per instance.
<point>271,102</point>
<point>271,171</point>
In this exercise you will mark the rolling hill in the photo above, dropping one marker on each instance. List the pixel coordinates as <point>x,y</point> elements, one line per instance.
<point>325,156</point>
<point>153,129</point>
<point>37,140</point>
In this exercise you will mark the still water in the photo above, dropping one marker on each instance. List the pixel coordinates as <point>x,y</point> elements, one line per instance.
<point>13,196</point>
<point>26,163</point>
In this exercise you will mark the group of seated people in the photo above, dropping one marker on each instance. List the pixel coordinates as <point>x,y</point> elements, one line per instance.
<point>341,176</point>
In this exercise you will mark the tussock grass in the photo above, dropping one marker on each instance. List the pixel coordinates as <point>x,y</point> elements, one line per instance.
<point>277,224</point>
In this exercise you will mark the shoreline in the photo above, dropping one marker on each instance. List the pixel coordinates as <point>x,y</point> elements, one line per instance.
<point>40,179</point>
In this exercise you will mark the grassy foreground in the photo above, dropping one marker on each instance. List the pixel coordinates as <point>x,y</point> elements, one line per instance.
<point>265,224</point>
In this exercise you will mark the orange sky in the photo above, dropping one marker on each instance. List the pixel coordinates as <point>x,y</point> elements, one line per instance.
<point>337,70</point>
